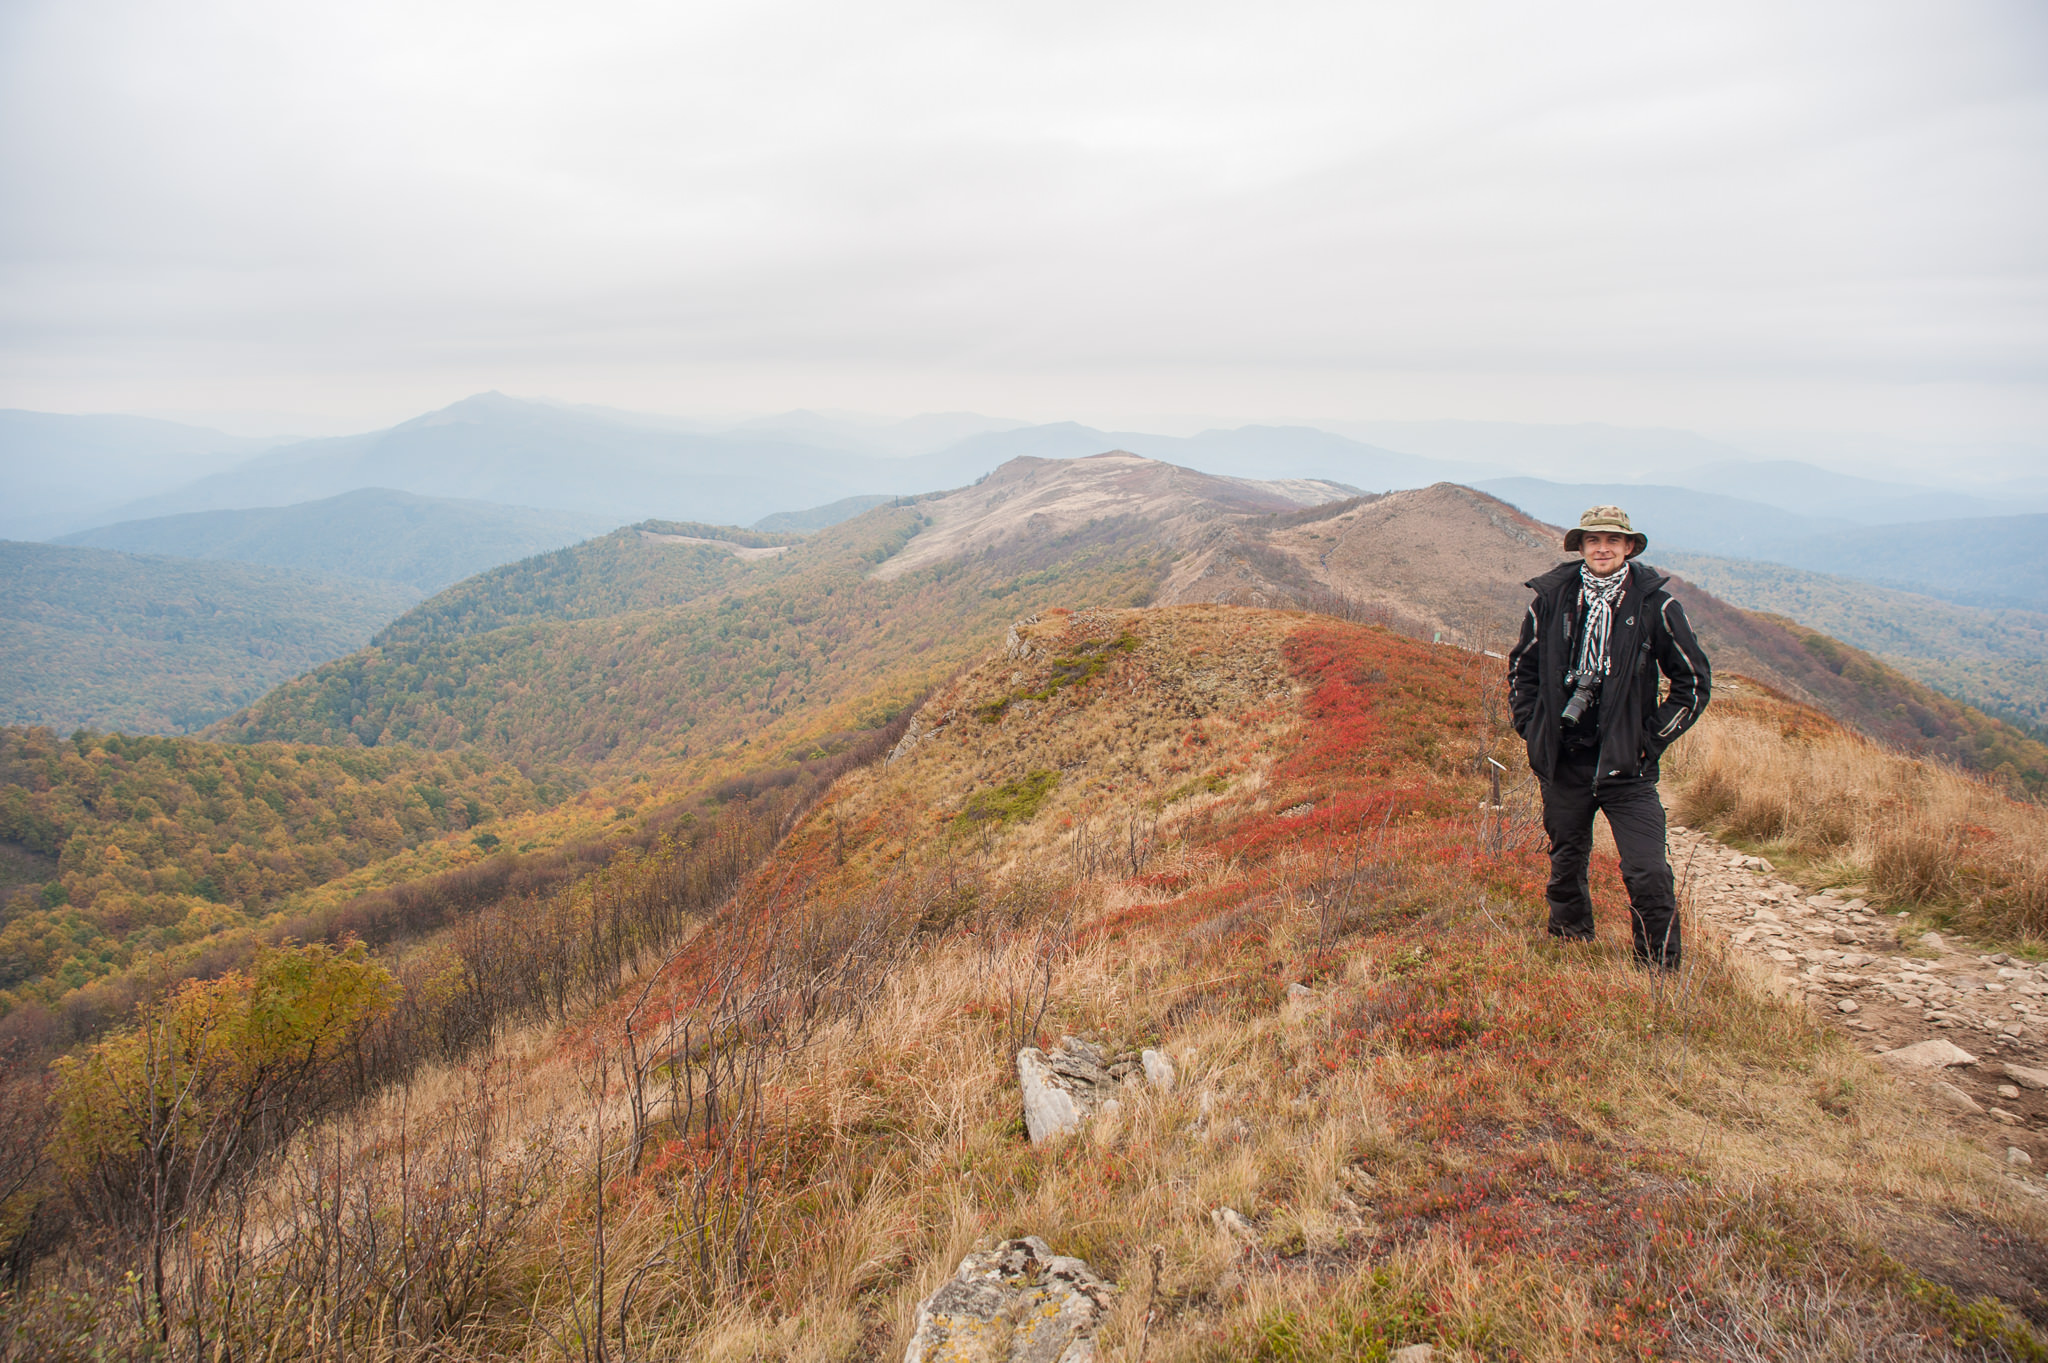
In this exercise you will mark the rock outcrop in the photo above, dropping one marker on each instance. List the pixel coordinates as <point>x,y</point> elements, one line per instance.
<point>1016,1303</point>
<point>1075,1080</point>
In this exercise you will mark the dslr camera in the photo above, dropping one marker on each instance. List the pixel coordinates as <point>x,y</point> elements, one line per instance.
<point>1582,684</point>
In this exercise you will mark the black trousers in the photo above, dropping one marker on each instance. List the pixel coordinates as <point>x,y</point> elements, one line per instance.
<point>1636,816</point>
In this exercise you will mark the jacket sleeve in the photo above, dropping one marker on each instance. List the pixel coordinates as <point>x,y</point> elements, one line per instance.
<point>1681,659</point>
<point>1525,676</point>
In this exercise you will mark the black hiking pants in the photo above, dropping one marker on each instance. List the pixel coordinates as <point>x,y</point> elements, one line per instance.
<point>1636,816</point>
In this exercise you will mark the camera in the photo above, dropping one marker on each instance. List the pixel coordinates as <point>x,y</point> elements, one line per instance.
<point>1582,694</point>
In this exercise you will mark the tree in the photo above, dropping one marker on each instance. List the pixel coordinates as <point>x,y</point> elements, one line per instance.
<point>157,1121</point>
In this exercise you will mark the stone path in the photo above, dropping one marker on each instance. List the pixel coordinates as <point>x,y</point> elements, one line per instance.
<point>1848,961</point>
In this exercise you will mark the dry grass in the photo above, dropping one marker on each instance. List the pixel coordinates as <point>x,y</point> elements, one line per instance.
<point>1469,1135</point>
<point>1782,779</point>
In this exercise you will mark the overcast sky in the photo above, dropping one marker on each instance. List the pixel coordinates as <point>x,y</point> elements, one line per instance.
<point>1808,215</point>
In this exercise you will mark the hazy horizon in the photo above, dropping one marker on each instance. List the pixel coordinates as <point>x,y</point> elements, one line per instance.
<point>1821,219</point>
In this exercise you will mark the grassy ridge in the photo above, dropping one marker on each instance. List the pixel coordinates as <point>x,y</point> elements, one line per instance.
<point>794,1125</point>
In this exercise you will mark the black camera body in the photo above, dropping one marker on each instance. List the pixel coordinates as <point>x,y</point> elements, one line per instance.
<point>1582,684</point>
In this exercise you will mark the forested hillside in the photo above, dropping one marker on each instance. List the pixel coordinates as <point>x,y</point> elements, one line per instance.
<point>1995,660</point>
<point>155,844</point>
<point>163,645</point>
<point>630,651</point>
<point>375,533</point>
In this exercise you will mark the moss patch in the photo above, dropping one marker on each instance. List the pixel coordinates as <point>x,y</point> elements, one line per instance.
<point>1012,801</point>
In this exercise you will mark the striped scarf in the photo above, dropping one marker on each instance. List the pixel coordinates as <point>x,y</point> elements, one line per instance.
<point>1599,595</point>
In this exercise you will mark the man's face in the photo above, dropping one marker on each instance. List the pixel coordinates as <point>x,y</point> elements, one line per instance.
<point>1605,551</point>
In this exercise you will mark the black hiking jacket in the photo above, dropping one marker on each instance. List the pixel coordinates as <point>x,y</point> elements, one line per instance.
<point>1635,728</point>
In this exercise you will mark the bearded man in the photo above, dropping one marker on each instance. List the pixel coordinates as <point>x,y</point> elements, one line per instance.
<point>1583,685</point>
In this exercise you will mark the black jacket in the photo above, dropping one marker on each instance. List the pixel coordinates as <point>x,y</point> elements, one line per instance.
<point>1635,728</point>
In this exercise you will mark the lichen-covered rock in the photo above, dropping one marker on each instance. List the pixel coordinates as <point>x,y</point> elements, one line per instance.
<point>1016,1303</point>
<point>1075,1080</point>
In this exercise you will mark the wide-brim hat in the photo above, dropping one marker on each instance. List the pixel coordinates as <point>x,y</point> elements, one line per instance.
<point>1609,518</point>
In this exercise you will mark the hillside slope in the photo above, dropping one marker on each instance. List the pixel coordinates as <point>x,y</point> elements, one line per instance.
<point>1995,660</point>
<point>376,533</point>
<point>105,640</point>
<point>641,649</point>
<point>1244,840</point>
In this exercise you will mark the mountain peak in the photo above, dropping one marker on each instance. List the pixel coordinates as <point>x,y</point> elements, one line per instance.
<point>1033,498</point>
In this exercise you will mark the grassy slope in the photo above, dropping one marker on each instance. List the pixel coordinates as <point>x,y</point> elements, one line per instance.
<point>98,639</point>
<point>1467,1135</point>
<point>1996,660</point>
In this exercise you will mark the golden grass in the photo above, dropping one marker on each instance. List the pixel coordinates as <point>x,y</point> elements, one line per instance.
<point>1778,778</point>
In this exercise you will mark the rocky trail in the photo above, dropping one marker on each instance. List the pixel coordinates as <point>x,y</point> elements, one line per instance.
<point>1969,1029</point>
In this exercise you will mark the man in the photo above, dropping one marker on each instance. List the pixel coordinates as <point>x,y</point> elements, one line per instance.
<point>1584,692</point>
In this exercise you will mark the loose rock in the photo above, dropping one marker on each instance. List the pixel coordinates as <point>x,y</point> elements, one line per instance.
<point>1932,1054</point>
<point>2025,1076</point>
<point>1016,1303</point>
<point>1228,1221</point>
<point>1413,1353</point>
<point>2015,1155</point>
<point>1956,1098</point>
<point>1073,1082</point>
<point>1848,1006</point>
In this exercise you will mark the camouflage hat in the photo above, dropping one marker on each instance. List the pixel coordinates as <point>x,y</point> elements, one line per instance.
<point>1609,518</point>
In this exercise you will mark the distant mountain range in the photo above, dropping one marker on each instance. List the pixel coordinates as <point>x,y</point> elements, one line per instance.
<point>380,533</point>
<point>499,449</point>
<point>1988,561</point>
<point>61,472</point>
<point>64,474</point>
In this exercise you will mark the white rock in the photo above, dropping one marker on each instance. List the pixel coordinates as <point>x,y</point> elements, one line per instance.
<point>2008,1090</point>
<point>1158,1069</point>
<point>1844,936</point>
<point>1956,1098</point>
<point>2009,1118</point>
<point>1050,1108</point>
<point>2026,1077</point>
<point>1227,1220</point>
<point>1849,1006</point>
<point>2016,1156</point>
<point>1413,1353</point>
<point>1933,941</point>
<point>1933,1054</point>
